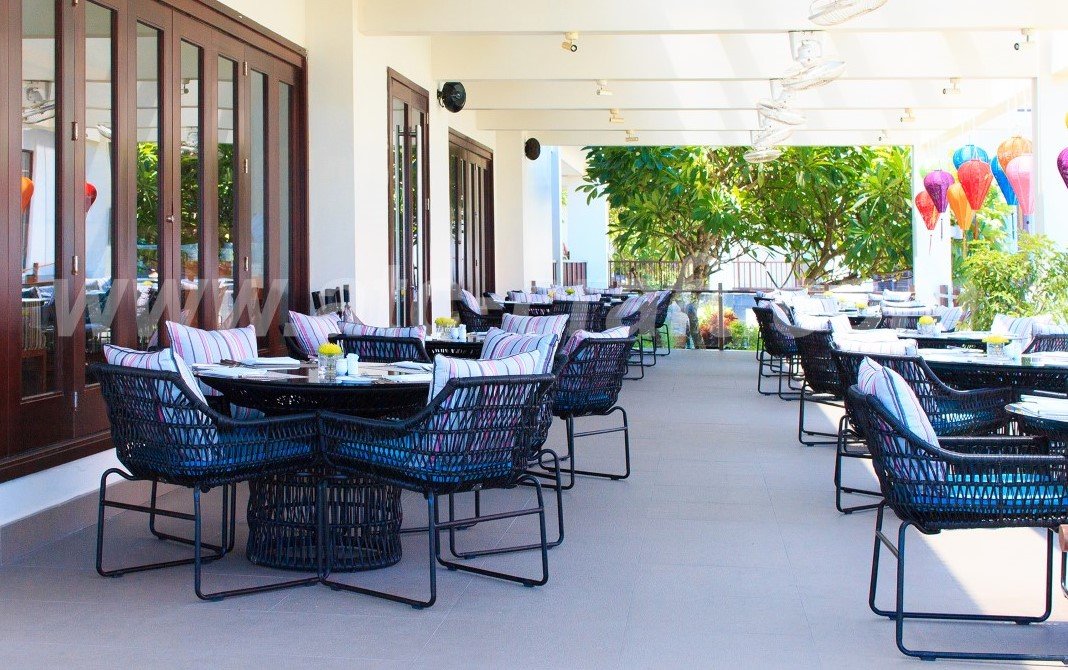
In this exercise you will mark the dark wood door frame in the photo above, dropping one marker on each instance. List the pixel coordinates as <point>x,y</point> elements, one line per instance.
<point>475,154</point>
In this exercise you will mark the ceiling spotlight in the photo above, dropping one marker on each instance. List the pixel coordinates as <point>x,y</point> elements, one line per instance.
<point>602,88</point>
<point>1027,41</point>
<point>909,117</point>
<point>762,154</point>
<point>883,136</point>
<point>775,109</point>
<point>813,68</point>
<point>953,88</point>
<point>570,42</point>
<point>632,136</point>
<point>615,116</point>
<point>833,12</point>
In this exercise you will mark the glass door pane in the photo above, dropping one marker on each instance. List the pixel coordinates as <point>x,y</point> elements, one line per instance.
<point>190,174</point>
<point>416,215</point>
<point>258,175</point>
<point>228,193</point>
<point>38,191</point>
<point>99,178</point>
<point>285,162</point>
<point>149,208</point>
<point>399,247</point>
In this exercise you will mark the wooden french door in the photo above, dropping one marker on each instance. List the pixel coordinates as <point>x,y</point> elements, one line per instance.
<point>409,202</point>
<point>471,208</point>
<point>150,150</point>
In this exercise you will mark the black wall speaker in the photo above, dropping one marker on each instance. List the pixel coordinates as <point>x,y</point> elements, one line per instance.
<point>532,149</point>
<point>452,96</point>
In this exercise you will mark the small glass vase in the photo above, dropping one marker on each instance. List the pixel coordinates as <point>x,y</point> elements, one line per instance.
<point>996,350</point>
<point>328,367</point>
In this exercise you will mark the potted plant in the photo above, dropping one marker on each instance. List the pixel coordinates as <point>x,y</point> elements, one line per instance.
<point>715,328</point>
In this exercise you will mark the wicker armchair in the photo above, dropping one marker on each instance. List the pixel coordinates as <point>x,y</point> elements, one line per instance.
<point>293,348</point>
<point>477,322</point>
<point>1049,342</point>
<point>583,315</point>
<point>378,349</point>
<point>909,322</point>
<point>822,384</point>
<point>777,357</point>
<point>475,434</point>
<point>660,325</point>
<point>163,434</point>
<point>951,412</point>
<point>961,483</point>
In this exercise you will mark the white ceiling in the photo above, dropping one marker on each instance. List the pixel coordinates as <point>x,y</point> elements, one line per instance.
<point>691,71</point>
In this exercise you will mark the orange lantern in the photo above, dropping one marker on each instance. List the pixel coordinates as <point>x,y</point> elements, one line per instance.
<point>962,209</point>
<point>1011,148</point>
<point>27,193</point>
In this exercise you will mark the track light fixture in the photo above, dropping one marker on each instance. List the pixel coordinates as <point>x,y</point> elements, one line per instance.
<point>909,117</point>
<point>953,88</point>
<point>570,42</point>
<point>615,116</point>
<point>631,136</point>
<point>1028,40</point>
<point>602,88</point>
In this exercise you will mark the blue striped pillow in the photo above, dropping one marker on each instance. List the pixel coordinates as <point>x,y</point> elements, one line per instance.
<point>164,360</point>
<point>901,402</point>
<point>534,325</point>
<point>470,300</point>
<point>417,332</point>
<point>446,368</point>
<point>579,336</point>
<point>312,331</point>
<point>502,344</point>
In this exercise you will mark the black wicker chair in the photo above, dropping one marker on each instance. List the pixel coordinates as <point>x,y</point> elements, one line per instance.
<point>588,384</point>
<point>777,356</point>
<point>822,384</point>
<point>909,322</point>
<point>660,324</point>
<point>163,434</point>
<point>379,349</point>
<point>477,322</point>
<point>962,483</point>
<point>639,322</point>
<point>951,412</point>
<point>293,347</point>
<point>582,315</point>
<point>475,434</point>
<point>1051,342</point>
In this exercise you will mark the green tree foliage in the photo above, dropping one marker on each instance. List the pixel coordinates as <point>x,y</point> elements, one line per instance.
<point>1031,281</point>
<point>672,203</point>
<point>837,213</point>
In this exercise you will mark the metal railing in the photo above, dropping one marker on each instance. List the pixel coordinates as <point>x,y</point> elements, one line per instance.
<point>748,275</point>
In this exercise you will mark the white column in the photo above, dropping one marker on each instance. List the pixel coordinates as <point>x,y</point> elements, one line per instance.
<point>587,233</point>
<point>931,251</point>
<point>1050,137</point>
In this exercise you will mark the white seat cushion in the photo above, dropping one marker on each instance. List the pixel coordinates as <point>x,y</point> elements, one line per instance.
<point>871,346</point>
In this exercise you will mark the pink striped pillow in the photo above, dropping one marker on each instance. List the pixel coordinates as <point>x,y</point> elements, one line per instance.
<point>164,360</point>
<point>579,336</point>
<point>211,346</point>
<point>534,325</point>
<point>471,301</point>
<point>897,397</point>
<point>418,332</point>
<point>446,368</point>
<point>502,344</point>
<point>312,331</point>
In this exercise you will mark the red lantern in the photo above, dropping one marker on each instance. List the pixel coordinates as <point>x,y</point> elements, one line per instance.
<point>90,195</point>
<point>27,193</point>
<point>926,207</point>
<point>975,177</point>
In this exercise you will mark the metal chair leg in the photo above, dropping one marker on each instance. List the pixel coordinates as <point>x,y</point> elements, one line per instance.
<point>842,452</point>
<point>802,431</point>
<point>570,456</point>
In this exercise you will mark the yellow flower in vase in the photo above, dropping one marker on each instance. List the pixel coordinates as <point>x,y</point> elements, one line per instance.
<point>329,349</point>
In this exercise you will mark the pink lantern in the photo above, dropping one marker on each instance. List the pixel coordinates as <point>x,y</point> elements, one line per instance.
<point>1020,172</point>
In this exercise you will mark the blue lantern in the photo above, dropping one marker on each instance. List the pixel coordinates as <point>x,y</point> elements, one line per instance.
<point>1003,182</point>
<point>969,152</point>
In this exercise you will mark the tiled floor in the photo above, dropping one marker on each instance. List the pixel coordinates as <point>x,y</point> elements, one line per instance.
<point>722,550</point>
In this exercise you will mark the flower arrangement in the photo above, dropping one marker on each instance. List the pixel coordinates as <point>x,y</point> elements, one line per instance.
<point>927,321</point>
<point>996,339</point>
<point>443,322</point>
<point>569,291</point>
<point>861,305</point>
<point>995,345</point>
<point>329,349</point>
<point>714,326</point>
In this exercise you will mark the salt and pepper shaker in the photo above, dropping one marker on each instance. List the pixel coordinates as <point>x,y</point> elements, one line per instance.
<point>342,366</point>
<point>353,363</point>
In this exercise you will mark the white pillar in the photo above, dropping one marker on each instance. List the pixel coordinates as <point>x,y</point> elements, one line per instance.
<point>931,251</point>
<point>1050,137</point>
<point>523,213</point>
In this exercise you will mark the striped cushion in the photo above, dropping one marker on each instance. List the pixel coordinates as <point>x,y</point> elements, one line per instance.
<point>632,306</point>
<point>901,402</point>
<point>809,322</point>
<point>446,368</point>
<point>950,318</point>
<point>542,290</point>
<point>618,290</point>
<point>863,345</point>
<point>502,344</point>
<point>1021,327</point>
<point>907,311</point>
<point>418,332</point>
<point>312,331</point>
<point>840,324</point>
<point>164,360</point>
<point>535,325</point>
<point>896,296</point>
<point>1050,329</point>
<point>470,300</point>
<point>211,346</point>
<point>579,336</point>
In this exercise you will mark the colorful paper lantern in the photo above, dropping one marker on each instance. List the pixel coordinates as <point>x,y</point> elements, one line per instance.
<point>27,193</point>
<point>1062,165</point>
<point>90,195</point>
<point>1003,182</point>
<point>1020,173</point>
<point>962,209</point>
<point>976,178</point>
<point>967,153</point>
<point>936,184</point>
<point>1012,148</point>
<point>926,207</point>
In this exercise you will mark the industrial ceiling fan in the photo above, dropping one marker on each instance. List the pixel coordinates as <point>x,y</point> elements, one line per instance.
<point>813,68</point>
<point>834,12</point>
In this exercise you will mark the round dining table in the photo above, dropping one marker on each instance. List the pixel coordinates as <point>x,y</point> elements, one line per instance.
<point>364,515</point>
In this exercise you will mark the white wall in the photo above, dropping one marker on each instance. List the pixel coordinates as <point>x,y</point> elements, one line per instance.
<point>587,233</point>
<point>285,17</point>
